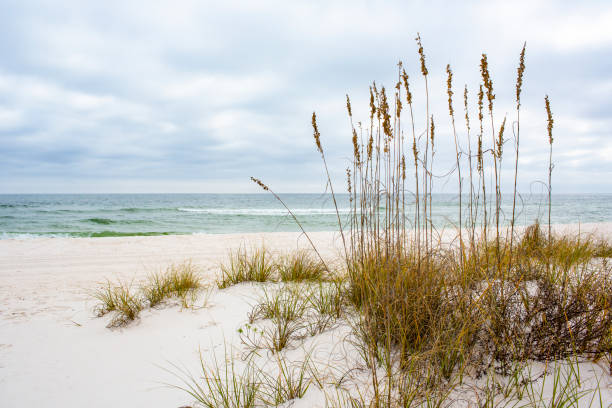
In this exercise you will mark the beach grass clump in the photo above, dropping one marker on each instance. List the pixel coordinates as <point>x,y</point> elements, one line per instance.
<point>181,281</point>
<point>328,299</point>
<point>156,289</point>
<point>300,266</point>
<point>292,312</point>
<point>128,306</point>
<point>183,278</point>
<point>553,315</point>
<point>284,303</point>
<point>237,383</point>
<point>106,295</point>
<point>563,251</point>
<point>177,280</point>
<point>222,384</point>
<point>412,317</point>
<point>282,332</point>
<point>290,382</point>
<point>119,299</point>
<point>551,299</point>
<point>284,310</point>
<point>258,265</point>
<point>246,266</point>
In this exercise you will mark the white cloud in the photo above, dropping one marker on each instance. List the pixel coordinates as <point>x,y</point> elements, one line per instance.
<point>222,90</point>
<point>11,118</point>
<point>179,86</point>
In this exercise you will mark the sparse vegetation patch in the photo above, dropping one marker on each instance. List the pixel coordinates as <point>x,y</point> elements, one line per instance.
<point>181,281</point>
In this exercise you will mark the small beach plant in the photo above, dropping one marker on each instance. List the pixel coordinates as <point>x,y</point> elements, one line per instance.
<point>119,299</point>
<point>181,281</point>
<point>300,265</point>
<point>222,384</point>
<point>290,382</point>
<point>246,266</point>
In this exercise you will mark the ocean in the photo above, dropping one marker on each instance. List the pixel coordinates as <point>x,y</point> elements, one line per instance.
<point>112,215</point>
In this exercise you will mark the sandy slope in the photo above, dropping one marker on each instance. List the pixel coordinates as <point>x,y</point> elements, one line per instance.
<point>55,353</point>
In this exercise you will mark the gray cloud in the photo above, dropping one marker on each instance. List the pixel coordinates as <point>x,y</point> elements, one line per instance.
<point>198,96</point>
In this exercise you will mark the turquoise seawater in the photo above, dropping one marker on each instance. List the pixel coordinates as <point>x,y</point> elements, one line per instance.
<point>105,215</point>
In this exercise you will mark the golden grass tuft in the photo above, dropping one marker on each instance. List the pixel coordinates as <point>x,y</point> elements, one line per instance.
<point>176,281</point>
<point>180,281</point>
<point>258,265</point>
<point>246,266</point>
<point>301,266</point>
<point>120,299</point>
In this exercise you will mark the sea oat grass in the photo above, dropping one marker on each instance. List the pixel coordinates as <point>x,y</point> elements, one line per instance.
<point>412,311</point>
<point>428,313</point>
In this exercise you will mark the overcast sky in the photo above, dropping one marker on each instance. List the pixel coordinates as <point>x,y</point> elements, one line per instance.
<point>197,96</point>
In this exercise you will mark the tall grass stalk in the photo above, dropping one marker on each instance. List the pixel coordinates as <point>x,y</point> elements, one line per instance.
<point>519,85</point>
<point>549,128</point>
<point>451,111</point>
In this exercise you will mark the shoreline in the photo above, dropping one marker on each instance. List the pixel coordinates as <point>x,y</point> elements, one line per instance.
<point>560,227</point>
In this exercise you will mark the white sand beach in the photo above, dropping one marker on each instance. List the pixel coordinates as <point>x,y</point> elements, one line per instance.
<point>54,352</point>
